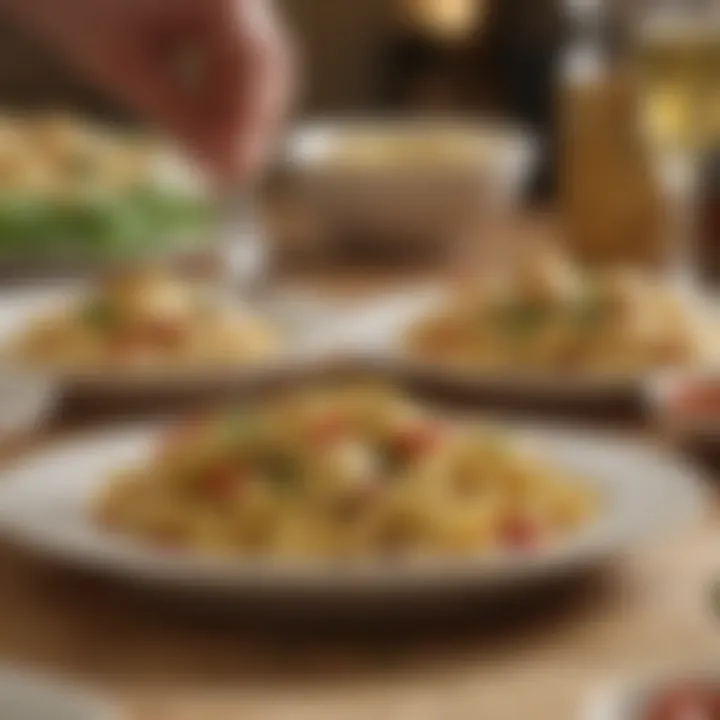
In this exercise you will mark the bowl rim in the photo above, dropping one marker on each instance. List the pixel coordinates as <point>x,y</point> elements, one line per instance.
<point>85,702</point>
<point>517,145</point>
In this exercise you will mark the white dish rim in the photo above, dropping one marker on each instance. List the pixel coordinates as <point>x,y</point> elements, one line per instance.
<point>85,703</point>
<point>125,558</point>
<point>621,698</point>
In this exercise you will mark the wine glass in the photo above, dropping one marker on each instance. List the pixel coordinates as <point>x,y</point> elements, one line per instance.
<point>676,59</point>
<point>243,243</point>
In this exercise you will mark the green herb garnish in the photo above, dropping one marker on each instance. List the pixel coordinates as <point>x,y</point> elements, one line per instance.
<point>590,312</point>
<point>520,320</point>
<point>100,315</point>
<point>280,468</point>
<point>123,225</point>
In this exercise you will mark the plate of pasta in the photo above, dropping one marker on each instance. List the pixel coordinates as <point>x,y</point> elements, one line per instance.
<point>544,324</point>
<point>353,487</point>
<point>75,194</point>
<point>139,328</point>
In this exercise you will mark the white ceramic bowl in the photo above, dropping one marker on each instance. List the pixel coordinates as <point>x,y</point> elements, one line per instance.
<point>428,199</point>
<point>25,696</point>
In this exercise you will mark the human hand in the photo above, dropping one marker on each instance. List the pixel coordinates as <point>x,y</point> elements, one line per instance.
<point>215,74</point>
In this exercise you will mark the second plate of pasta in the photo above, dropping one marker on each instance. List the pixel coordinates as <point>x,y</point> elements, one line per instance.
<point>346,492</point>
<point>543,326</point>
<point>146,331</point>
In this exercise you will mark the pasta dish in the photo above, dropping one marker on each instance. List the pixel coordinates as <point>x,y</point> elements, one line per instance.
<point>346,472</point>
<point>143,318</point>
<point>62,156</point>
<point>70,188</point>
<point>548,315</point>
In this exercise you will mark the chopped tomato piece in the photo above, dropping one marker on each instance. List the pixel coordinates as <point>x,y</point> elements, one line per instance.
<point>355,502</point>
<point>165,334</point>
<point>130,351</point>
<point>170,539</point>
<point>222,483</point>
<point>330,429</point>
<point>445,338</point>
<point>522,533</point>
<point>136,344</point>
<point>419,439</point>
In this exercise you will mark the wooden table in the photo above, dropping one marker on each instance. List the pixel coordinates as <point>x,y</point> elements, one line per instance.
<point>534,660</point>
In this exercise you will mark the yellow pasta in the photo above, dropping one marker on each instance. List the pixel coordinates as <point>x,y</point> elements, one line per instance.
<point>64,157</point>
<point>343,472</point>
<point>548,315</point>
<point>145,318</point>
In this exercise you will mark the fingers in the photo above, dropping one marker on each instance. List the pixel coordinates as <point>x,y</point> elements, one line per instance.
<point>226,112</point>
<point>249,92</point>
<point>121,46</point>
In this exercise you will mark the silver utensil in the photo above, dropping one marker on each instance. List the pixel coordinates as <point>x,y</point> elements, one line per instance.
<point>243,243</point>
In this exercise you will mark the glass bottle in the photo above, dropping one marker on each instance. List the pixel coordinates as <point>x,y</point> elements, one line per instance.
<point>610,202</point>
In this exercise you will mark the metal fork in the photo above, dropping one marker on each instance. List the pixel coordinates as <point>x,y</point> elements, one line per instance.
<point>244,244</point>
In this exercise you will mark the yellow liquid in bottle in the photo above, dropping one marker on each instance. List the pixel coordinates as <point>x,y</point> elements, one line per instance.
<point>610,200</point>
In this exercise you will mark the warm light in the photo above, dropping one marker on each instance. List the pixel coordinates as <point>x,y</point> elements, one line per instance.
<point>446,18</point>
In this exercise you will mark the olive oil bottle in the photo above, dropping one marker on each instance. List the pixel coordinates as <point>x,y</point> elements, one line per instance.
<point>611,204</point>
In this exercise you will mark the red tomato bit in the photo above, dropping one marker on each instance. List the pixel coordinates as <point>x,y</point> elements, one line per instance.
<point>329,429</point>
<point>419,439</point>
<point>222,483</point>
<point>522,533</point>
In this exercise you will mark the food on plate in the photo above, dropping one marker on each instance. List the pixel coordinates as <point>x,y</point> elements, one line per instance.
<point>67,186</point>
<point>145,318</point>
<point>684,701</point>
<point>408,148</point>
<point>547,314</point>
<point>345,471</point>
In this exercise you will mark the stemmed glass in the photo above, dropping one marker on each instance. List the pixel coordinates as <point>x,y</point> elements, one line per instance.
<point>244,245</point>
<point>676,60</point>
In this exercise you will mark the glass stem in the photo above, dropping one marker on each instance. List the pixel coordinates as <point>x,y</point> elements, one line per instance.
<point>244,246</point>
<point>680,176</point>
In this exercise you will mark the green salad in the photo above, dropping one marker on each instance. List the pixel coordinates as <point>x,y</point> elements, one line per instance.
<point>126,224</point>
<point>72,189</point>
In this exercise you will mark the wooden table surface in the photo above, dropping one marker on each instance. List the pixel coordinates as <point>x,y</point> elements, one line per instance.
<point>535,658</point>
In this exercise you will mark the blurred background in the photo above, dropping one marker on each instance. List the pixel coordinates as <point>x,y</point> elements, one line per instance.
<point>564,71</point>
<point>428,136</point>
<point>403,57</point>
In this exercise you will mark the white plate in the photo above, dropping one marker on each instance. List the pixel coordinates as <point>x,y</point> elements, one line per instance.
<point>44,506</point>
<point>301,322</point>
<point>627,698</point>
<point>25,696</point>
<point>375,330</point>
